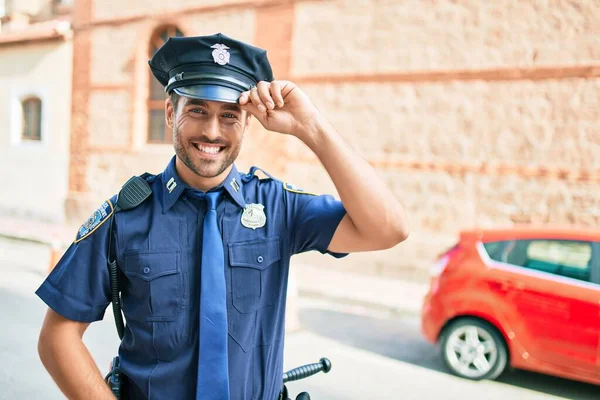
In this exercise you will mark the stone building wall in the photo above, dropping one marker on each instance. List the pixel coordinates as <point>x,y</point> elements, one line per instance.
<point>475,113</point>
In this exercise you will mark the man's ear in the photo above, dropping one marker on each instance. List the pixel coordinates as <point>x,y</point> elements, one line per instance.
<point>169,112</point>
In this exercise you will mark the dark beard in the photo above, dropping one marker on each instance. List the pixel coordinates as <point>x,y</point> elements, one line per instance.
<point>183,154</point>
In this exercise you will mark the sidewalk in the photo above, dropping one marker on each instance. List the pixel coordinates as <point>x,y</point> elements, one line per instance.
<point>393,296</point>
<point>42,241</point>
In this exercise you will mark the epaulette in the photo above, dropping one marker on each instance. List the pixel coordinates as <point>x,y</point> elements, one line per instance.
<point>286,185</point>
<point>252,173</point>
<point>148,177</point>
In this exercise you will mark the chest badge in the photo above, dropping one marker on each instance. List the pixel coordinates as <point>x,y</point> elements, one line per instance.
<point>254,216</point>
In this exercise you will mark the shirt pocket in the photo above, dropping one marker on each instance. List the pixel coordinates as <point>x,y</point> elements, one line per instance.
<point>155,289</point>
<point>255,273</point>
<point>153,301</point>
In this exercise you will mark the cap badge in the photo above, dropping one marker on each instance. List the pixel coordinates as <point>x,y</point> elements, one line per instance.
<point>220,54</point>
<point>254,216</point>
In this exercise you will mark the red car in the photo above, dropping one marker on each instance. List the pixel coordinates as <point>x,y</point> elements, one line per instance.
<point>524,297</point>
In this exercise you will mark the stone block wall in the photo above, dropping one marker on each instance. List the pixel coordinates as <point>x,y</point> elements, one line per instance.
<point>474,113</point>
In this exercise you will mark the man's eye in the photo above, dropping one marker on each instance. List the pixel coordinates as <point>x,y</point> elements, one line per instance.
<point>197,110</point>
<point>229,115</point>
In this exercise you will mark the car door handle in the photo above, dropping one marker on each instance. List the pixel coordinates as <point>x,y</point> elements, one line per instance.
<point>512,285</point>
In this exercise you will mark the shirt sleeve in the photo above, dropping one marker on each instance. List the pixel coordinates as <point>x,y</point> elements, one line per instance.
<point>313,221</point>
<point>78,288</point>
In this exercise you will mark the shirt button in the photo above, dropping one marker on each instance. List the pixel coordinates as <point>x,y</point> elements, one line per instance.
<point>184,198</point>
<point>146,270</point>
<point>259,259</point>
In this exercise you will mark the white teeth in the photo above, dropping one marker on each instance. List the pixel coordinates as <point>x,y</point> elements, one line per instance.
<point>208,149</point>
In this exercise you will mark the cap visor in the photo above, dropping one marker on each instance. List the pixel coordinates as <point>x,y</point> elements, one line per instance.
<point>210,93</point>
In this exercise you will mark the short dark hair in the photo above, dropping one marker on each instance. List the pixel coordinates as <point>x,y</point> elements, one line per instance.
<point>174,99</point>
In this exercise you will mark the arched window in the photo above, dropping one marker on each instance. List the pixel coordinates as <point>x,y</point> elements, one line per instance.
<point>157,130</point>
<point>32,119</point>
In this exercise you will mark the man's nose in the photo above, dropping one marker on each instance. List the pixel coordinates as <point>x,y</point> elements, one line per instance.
<point>211,129</point>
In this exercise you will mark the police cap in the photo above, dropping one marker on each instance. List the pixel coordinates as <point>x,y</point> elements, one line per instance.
<point>216,67</point>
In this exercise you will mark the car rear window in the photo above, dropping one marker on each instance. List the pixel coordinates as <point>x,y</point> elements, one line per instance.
<point>495,249</point>
<point>568,258</point>
<point>566,254</point>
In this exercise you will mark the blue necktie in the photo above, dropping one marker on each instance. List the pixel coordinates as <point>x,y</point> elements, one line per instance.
<point>213,373</point>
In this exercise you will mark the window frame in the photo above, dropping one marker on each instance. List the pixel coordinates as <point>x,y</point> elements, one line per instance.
<point>17,97</point>
<point>40,116</point>
<point>158,38</point>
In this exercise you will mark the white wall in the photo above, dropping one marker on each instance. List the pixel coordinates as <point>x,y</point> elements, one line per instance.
<point>34,178</point>
<point>31,7</point>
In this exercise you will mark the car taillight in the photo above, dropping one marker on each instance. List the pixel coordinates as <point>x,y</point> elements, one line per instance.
<point>442,261</point>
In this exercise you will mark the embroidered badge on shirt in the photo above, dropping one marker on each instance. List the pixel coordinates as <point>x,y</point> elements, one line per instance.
<point>295,189</point>
<point>254,216</point>
<point>220,54</point>
<point>94,221</point>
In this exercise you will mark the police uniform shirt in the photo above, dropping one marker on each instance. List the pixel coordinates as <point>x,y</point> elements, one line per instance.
<point>158,250</point>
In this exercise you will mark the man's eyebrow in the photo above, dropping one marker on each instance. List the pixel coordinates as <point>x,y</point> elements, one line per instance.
<point>196,102</point>
<point>202,103</point>
<point>232,107</point>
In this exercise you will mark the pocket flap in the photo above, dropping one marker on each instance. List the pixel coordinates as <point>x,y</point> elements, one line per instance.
<point>258,254</point>
<point>151,264</point>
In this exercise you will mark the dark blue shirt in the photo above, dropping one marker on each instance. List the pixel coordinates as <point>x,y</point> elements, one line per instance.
<point>158,249</point>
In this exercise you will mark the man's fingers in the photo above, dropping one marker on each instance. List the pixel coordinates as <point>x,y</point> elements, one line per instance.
<point>252,109</point>
<point>244,97</point>
<point>275,88</point>
<point>255,99</point>
<point>265,95</point>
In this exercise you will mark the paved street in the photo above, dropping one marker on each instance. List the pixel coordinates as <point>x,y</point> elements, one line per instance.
<point>386,358</point>
<point>373,357</point>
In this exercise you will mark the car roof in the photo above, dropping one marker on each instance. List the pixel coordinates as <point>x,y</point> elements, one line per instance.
<point>532,232</point>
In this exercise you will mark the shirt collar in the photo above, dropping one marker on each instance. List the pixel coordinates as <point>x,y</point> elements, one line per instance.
<point>173,186</point>
<point>233,185</point>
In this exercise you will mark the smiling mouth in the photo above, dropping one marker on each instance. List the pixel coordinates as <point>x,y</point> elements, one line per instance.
<point>208,150</point>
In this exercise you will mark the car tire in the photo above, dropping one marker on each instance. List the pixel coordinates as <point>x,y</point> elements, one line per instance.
<point>473,349</point>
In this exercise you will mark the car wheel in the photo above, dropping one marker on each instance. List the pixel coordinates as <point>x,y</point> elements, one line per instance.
<point>473,349</point>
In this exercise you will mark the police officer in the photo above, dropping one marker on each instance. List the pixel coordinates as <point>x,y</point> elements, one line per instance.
<point>205,259</point>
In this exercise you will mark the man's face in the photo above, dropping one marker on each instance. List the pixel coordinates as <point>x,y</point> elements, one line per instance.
<point>207,135</point>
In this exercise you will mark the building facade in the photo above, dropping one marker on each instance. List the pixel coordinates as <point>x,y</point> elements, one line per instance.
<point>35,108</point>
<point>474,113</point>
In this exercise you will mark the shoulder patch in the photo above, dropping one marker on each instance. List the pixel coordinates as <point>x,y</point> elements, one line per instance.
<point>95,220</point>
<point>295,189</point>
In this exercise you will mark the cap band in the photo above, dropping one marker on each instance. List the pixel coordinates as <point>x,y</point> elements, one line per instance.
<point>209,92</point>
<point>182,77</point>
